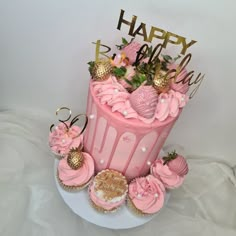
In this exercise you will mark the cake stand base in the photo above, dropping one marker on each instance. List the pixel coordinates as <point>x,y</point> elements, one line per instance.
<point>79,203</point>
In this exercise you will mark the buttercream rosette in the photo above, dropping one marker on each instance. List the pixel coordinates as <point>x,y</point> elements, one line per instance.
<point>75,179</point>
<point>113,94</point>
<point>63,139</point>
<point>169,177</point>
<point>146,195</point>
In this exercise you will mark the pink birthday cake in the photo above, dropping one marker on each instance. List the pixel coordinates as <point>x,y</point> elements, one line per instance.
<point>136,94</point>
<point>132,106</point>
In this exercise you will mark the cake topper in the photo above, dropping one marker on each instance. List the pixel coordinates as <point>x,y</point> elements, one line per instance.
<point>135,64</point>
<point>150,66</point>
<point>73,121</point>
<point>155,32</point>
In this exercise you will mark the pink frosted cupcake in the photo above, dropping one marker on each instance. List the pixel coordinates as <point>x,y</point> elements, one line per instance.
<point>63,139</point>
<point>146,195</point>
<point>171,170</point>
<point>108,190</point>
<point>76,170</point>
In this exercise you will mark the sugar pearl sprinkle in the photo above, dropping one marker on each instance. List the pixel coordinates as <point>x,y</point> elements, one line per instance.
<point>125,113</point>
<point>144,149</point>
<point>163,100</point>
<point>91,116</point>
<point>101,161</point>
<point>116,90</point>
<point>56,127</point>
<point>139,195</point>
<point>156,195</point>
<point>182,98</point>
<point>63,140</point>
<point>149,163</point>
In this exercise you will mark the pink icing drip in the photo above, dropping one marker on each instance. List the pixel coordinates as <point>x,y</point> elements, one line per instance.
<point>78,177</point>
<point>100,202</point>
<point>147,194</point>
<point>169,178</point>
<point>104,150</point>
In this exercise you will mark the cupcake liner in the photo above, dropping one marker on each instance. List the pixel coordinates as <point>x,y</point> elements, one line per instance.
<point>131,205</point>
<point>101,209</point>
<point>134,209</point>
<point>72,188</point>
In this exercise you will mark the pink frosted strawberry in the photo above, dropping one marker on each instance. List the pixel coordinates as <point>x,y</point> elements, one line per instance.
<point>131,50</point>
<point>176,163</point>
<point>144,101</point>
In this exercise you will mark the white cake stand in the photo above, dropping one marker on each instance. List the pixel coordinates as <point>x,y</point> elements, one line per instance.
<point>80,205</point>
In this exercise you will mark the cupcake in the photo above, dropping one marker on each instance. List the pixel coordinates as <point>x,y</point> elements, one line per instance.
<point>171,170</point>
<point>146,195</point>
<point>76,170</point>
<point>62,139</point>
<point>108,190</point>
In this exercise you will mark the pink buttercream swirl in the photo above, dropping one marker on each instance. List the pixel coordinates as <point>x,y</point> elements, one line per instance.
<point>147,194</point>
<point>112,93</point>
<point>169,104</point>
<point>169,178</point>
<point>78,177</point>
<point>62,140</point>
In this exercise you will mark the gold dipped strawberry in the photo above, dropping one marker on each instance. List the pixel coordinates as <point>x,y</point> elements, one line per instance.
<point>101,70</point>
<point>75,159</point>
<point>161,82</point>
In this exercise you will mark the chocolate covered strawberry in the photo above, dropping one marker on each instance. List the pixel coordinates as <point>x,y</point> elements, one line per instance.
<point>144,101</point>
<point>176,163</point>
<point>131,50</point>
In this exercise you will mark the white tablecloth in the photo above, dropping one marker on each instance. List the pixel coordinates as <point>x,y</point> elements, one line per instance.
<point>30,204</point>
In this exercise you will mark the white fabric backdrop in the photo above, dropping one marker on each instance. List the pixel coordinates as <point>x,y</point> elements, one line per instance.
<point>31,205</point>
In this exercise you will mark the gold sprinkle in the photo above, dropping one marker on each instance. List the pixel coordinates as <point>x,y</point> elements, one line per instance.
<point>111,183</point>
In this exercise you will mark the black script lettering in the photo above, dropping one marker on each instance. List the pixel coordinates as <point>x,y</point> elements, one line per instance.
<point>197,81</point>
<point>157,50</point>
<point>141,54</point>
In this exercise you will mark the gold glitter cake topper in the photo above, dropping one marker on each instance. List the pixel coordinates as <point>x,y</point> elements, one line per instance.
<point>73,121</point>
<point>111,183</point>
<point>151,71</point>
<point>155,33</point>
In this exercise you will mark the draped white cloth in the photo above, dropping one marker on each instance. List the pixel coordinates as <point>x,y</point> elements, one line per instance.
<point>31,205</point>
